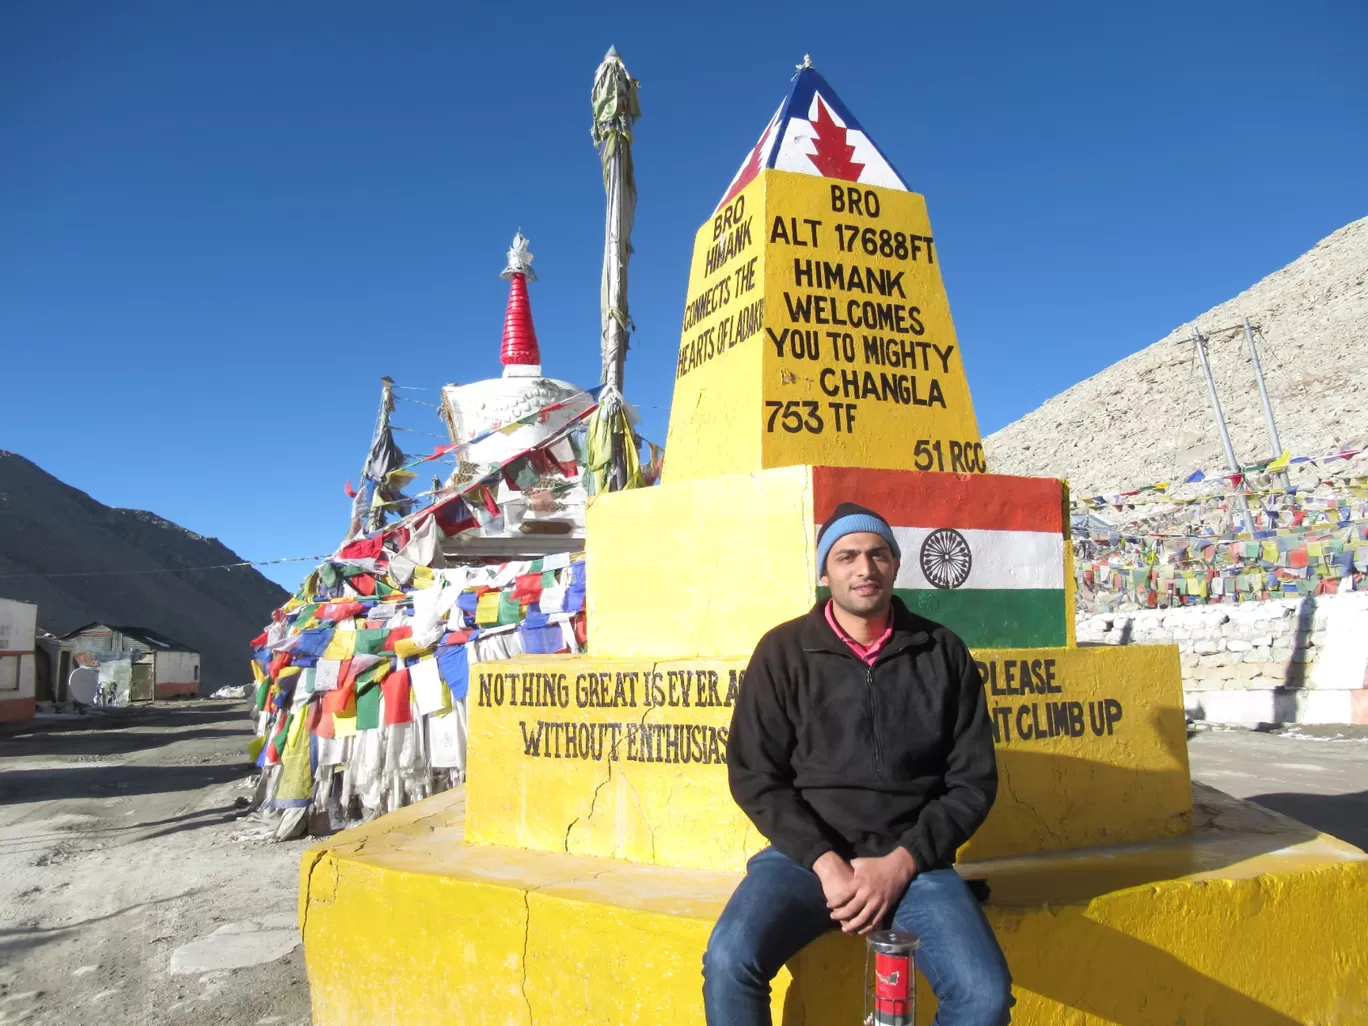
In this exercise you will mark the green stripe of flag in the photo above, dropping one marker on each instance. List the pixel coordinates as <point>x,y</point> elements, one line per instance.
<point>994,618</point>
<point>991,617</point>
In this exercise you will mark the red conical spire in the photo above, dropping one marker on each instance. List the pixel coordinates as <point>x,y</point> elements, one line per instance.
<point>519,337</point>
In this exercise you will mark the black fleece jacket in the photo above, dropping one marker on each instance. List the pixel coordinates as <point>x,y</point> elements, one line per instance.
<point>826,753</point>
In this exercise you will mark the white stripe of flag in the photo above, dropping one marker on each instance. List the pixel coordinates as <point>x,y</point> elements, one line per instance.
<point>999,559</point>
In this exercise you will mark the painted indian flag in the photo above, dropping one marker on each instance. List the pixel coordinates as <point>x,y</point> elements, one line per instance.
<point>983,554</point>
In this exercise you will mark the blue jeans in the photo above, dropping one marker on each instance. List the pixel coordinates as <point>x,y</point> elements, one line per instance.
<point>779,908</point>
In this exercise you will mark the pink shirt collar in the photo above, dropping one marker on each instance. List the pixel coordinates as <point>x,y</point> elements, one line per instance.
<point>865,653</point>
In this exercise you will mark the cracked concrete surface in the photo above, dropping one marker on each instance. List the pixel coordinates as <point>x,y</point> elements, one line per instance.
<point>527,936</point>
<point>1005,783</point>
<point>608,779</point>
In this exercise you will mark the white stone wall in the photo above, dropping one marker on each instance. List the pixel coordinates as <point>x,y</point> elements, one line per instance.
<point>1291,647</point>
<point>177,667</point>
<point>18,625</point>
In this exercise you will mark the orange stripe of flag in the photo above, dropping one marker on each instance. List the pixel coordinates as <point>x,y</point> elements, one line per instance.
<point>909,498</point>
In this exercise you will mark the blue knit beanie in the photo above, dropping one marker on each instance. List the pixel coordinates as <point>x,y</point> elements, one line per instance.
<point>849,518</point>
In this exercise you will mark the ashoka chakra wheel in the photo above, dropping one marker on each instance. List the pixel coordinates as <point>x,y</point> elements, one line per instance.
<point>945,558</point>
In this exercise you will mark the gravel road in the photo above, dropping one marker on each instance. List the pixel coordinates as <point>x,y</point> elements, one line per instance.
<point>131,890</point>
<point>1317,774</point>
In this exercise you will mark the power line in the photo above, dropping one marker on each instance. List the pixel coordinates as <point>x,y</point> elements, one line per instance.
<point>415,431</point>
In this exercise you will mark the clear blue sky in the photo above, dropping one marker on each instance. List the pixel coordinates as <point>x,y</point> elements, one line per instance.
<point>221,223</point>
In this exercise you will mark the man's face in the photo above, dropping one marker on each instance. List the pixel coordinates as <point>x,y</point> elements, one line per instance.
<point>860,570</point>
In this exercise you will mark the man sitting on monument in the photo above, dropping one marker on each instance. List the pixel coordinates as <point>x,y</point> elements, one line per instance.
<point>860,747</point>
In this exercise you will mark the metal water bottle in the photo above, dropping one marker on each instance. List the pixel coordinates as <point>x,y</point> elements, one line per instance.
<point>890,995</point>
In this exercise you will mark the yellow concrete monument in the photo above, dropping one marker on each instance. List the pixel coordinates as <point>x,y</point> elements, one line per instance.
<point>577,876</point>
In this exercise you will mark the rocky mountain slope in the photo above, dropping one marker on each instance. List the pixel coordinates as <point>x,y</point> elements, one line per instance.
<point>49,528</point>
<point>1147,418</point>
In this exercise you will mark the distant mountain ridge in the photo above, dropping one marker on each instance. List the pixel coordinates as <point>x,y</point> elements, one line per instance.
<point>1147,418</point>
<point>48,527</point>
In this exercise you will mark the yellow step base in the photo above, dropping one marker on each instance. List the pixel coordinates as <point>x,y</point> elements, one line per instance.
<point>1254,920</point>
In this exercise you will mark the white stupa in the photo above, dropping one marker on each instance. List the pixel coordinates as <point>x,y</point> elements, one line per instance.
<point>550,516</point>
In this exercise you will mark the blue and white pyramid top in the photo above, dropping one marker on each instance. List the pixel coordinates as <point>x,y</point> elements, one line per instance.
<point>814,133</point>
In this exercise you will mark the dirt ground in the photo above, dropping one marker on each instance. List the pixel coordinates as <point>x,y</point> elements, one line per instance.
<point>129,884</point>
<point>132,890</point>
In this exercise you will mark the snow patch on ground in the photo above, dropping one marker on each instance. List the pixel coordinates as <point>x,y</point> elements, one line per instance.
<point>238,945</point>
<point>1297,735</point>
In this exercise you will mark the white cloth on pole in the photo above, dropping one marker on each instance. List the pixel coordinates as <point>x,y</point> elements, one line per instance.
<point>457,577</point>
<point>328,675</point>
<point>430,608</point>
<point>332,751</point>
<point>491,647</point>
<point>429,693</point>
<point>423,546</point>
<point>447,738</point>
<point>553,599</point>
<point>401,568</point>
<point>508,572</point>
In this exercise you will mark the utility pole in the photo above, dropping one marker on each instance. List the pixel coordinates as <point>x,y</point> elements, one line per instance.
<point>616,108</point>
<point>375,467</point>
<point>378,462</point>
<point>1269,424</point>
<point>1200,341</point>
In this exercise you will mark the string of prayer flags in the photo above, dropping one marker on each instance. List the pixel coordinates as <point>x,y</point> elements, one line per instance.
<point>363,674</point>
<point>354,675</point>
<point>1237,478</point>
<point>1175,571</point>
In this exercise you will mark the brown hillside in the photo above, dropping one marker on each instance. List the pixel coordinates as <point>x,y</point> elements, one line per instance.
<point>49,528</point>
<point>1147,418</point>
